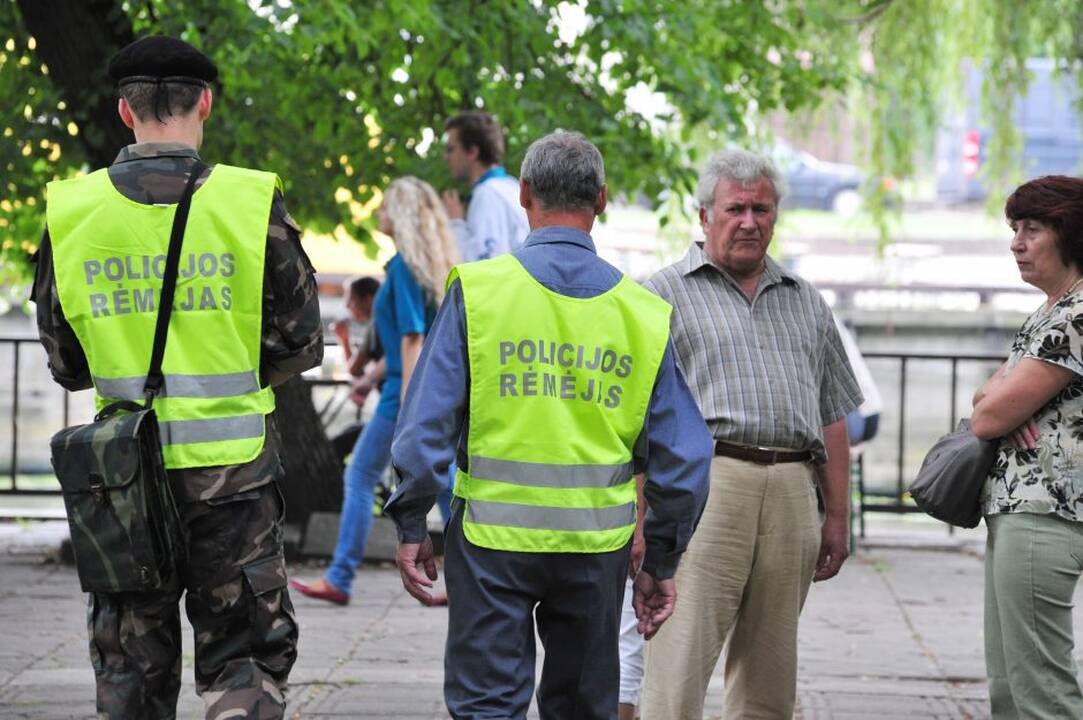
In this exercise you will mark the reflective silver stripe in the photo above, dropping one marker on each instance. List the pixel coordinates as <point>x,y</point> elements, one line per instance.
<point>177,432</point>
<point>550,518</point>
<point>550,476</point>
<point>203,386</point>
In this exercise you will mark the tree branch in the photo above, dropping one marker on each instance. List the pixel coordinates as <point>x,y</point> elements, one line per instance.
<point>875,10</point>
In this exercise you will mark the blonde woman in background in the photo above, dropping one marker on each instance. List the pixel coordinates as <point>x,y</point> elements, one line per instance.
<point>413,216</point>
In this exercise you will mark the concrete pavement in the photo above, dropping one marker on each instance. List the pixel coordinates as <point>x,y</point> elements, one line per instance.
<point>897,635</point>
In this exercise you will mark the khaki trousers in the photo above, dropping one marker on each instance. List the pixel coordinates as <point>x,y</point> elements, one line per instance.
<point>744,579</point>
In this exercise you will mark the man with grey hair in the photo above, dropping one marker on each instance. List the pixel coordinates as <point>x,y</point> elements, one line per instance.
<point>550,378</point>
<point>765,362</point>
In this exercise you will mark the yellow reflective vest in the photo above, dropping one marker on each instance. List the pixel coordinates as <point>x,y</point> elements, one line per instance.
<point>109,257</point>
<point>559,389</point>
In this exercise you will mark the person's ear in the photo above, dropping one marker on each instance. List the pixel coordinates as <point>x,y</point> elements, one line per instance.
<point>524,194</point>
<point>126,115</point>
<point>602,200</point>
<point>206,101</point>
<point>704,221</point>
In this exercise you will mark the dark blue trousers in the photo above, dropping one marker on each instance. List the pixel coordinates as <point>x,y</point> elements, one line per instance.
<point>494,599</point>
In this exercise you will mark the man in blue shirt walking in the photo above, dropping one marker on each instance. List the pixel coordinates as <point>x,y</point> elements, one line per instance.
<point>575,597</point>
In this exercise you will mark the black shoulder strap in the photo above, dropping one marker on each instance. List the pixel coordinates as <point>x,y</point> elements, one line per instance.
<point>154,381</point>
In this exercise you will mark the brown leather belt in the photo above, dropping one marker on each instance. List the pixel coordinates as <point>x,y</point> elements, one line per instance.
<point>762,456</point>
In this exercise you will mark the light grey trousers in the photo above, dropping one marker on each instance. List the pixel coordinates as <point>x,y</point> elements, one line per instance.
<point>1032,565</point>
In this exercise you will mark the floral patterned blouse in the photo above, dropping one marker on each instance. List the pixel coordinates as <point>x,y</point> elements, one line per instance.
<point>1049,478</point>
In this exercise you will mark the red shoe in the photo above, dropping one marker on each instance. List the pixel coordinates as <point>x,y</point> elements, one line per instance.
<point>321,590</point>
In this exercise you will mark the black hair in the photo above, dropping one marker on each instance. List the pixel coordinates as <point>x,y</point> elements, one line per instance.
<point>364,287</point>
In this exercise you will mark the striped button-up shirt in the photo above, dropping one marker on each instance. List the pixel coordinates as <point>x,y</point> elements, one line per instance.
<point>769,371</point>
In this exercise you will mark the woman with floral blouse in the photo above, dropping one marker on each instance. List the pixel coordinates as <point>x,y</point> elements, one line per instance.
<point>1033,498</point>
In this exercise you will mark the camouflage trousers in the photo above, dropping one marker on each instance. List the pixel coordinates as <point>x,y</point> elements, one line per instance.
<point>234,581</point>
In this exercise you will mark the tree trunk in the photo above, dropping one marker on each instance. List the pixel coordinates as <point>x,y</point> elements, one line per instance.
<point>313,471</point>
<point>75,39</point>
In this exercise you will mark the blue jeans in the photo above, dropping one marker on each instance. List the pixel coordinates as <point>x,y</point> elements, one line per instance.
<point>371,455</point>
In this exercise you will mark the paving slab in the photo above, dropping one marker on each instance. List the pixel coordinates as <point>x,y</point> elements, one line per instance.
<point>898,635</point>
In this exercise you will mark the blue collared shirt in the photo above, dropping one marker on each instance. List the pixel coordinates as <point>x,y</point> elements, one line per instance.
<point>495,222</point>
<point>494,172</point>
<point>674,449</point>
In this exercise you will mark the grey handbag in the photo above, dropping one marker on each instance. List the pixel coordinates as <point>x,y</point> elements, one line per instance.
<point>949,482</point>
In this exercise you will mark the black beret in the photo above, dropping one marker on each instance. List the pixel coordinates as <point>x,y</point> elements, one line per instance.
<point>159,57</point>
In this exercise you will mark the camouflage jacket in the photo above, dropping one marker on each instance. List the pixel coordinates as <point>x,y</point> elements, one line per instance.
<point>292,337</point>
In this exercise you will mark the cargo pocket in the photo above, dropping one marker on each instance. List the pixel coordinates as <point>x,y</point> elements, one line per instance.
<point>281,516</point>
<point>103,624</point>
<point>274,626</point>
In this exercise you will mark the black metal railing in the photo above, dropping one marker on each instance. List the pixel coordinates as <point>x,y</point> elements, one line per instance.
<point>874,490</point>
<point>894,497</point>
<point>16,344</point>
<point>331,409</point>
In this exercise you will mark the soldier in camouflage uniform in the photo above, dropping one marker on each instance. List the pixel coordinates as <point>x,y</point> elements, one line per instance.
<point>231,516</point>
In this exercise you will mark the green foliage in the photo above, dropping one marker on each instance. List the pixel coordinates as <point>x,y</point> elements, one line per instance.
<point>339,97</point>
<point>908,58</point>
<point>36,144</point>
<point>918,50</point>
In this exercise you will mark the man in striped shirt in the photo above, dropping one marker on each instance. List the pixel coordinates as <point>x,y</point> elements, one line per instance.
<point>764,361</point>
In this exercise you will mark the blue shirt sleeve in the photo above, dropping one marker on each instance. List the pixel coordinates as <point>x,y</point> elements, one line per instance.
<point>678,448</point>
<point>409,299</point>
<point>431,420</point>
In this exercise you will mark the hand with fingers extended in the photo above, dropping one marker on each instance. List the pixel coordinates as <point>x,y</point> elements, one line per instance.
<point>653,601</point>
<point>409,558</point>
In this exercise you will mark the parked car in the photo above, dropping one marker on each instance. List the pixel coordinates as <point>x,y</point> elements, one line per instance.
<point>815,183</point>
<point>1047,120</point>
